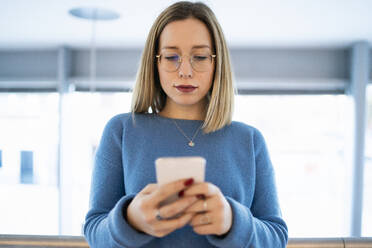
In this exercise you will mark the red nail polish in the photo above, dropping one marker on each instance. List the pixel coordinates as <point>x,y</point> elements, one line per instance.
<point>180,194</point>
<point>189,182</point>
<point>200,196</point>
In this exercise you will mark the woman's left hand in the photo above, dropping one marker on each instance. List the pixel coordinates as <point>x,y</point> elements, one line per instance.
<point>213,214</point>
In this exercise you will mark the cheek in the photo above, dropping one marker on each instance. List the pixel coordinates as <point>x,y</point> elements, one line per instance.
<point>162,78</point>
<point>209,80</point>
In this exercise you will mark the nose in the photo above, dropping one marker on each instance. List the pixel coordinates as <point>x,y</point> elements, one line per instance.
<point>185,69</point>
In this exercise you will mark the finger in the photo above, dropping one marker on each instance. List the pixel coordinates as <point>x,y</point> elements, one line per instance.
<point>202,205</point>
<point>166,190</point>
<point>172,224</point>
<point>203,219</point>
<point>149,189</point>
<point>206,189</point>
<point>177,207</point>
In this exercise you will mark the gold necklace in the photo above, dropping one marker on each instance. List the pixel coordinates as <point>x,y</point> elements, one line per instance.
<point>191,143</point>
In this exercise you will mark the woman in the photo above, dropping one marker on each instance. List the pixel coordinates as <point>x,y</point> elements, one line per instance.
<point>185,81</point>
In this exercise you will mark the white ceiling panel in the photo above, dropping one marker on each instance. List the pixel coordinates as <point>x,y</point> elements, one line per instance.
<point>246,23</point>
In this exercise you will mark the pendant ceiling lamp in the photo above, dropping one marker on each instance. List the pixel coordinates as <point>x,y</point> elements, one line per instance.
<point>93,15</point>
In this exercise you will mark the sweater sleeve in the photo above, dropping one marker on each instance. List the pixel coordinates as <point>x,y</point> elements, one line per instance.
<point>261,224</point>
<point>105,223</point>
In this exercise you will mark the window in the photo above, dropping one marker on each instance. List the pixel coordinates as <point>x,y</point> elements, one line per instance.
<point>84,117</point>
<point>27,167</point>
<point>306,138</point>
<point>28,171</point>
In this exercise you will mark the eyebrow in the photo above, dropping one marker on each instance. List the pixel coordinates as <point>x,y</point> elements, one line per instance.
<point>194,47</point>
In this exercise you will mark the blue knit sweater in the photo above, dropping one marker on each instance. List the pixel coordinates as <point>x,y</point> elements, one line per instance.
<point>237,162</point>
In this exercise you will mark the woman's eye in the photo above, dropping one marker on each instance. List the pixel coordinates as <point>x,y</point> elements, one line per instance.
<point>199,57</point>
<point>172,57</point>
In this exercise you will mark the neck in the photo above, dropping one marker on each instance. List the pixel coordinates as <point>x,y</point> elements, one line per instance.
<point>194,112</point>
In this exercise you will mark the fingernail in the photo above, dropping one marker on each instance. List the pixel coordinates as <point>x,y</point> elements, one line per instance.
<point>189,182</point>
<point>180,194</point>
<point>200,196</point>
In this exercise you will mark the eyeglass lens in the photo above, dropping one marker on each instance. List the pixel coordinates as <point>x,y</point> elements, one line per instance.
<point>199,62</point>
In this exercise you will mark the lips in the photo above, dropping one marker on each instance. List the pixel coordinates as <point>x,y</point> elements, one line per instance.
<point>185,88</point>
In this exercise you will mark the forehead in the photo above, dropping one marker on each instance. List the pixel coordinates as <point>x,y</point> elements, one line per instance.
<point>185,35</point>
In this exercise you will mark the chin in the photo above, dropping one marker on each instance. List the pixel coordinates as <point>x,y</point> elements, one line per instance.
<point>186,102</point>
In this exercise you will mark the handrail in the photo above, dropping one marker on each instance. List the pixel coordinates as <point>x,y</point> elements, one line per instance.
<point>330,242</point>
<point>78,242</point>
<point>42,241</point>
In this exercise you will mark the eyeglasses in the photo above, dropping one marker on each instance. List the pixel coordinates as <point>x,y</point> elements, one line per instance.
<point>171,61</point>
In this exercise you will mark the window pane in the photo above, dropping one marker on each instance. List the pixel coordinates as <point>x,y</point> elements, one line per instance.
<point>84,117</point>
<point>367,196</point>
<point>306,139</point>
<point>28,171</point>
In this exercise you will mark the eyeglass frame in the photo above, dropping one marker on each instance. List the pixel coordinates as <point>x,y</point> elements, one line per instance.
<point>158,57</point>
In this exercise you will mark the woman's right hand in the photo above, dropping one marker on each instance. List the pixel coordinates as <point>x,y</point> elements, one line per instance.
<point>143,210</point>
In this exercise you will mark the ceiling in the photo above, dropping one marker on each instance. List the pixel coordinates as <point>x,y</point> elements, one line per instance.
<point>246,23</point>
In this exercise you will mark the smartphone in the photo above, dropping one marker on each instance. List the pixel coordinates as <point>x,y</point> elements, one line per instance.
<point>169,169</point>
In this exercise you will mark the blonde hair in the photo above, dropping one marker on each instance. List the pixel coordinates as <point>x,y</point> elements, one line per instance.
<point>148,93</point>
